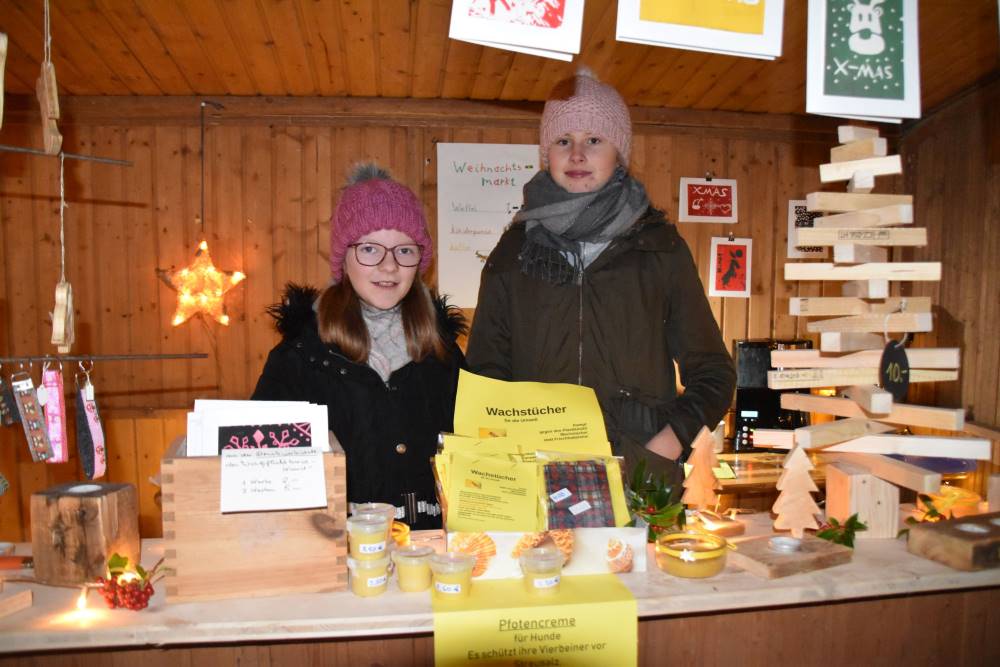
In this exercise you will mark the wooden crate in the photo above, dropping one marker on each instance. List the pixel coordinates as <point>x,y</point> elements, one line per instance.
<point>969,543</point>
<point>211,556</point>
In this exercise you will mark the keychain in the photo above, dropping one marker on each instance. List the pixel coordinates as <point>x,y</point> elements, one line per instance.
<point>55,413</point>
<point>31,416</point>
<point>89,433</point>
<point>8,406</point>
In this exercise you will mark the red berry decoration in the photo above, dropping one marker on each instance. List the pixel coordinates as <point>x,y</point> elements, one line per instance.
<point>127,587</point>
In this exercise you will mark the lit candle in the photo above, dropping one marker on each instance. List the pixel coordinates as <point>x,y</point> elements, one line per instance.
<point>719,525</point>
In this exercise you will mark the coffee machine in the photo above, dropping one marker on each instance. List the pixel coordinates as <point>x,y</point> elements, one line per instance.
<point>756,405</point>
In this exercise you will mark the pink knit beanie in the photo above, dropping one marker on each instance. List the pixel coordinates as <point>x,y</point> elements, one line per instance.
<point>371,201</point>
<point>584,104</point>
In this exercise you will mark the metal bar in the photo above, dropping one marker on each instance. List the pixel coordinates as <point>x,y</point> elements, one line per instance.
<point>68,156</point>
<point>102,357</point>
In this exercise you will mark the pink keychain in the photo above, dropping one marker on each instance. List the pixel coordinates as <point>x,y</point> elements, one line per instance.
<point>54,404</point>
<point>89,433</point>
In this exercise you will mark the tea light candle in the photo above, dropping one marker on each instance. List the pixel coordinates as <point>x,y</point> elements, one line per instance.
<point>366,535</point>
<point>542,568</point>
<point>717,524</point>
<point>953,501</point>
<point>413,570</point>
<point>368,577</point>
<point>452,574</point>
<point>691,554</point>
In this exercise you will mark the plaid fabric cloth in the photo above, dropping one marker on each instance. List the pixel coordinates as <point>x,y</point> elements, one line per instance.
<point>585,481</point>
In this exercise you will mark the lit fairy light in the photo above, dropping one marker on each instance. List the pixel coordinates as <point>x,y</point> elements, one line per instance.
<point>201,288</point>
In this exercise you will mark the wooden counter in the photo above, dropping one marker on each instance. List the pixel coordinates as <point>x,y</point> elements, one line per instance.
<point>886,601</point>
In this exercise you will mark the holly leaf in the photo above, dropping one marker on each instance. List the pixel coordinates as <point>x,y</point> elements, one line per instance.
<point>117,564</point>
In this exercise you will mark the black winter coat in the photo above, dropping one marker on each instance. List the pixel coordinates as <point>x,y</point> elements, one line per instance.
<point>388,430</point>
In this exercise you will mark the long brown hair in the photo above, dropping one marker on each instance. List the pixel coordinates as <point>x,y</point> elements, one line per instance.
<point>341,323</point>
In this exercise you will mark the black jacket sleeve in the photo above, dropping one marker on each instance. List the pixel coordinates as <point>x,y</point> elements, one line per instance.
<point>282,377</point>
<point>489,350</point>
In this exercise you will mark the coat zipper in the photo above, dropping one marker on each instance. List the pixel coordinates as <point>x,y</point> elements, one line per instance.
<point>579,376</point>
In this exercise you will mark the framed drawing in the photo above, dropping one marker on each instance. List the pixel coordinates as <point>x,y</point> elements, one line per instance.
<point>547,28</point>
<point>729,271</point>
<point>707,200</point>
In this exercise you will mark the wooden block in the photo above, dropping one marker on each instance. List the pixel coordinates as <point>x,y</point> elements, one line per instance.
<point>880,216</point>
<point>838,341</point>
<point>848,201</point>
<point>756,557</point>
<point>76,527</point>
<point>970,543</point>
<point>850,133</point>
<point>806,378</point>
<point>918,357</point>
<point>917,445</point>
<point>214,556</point>
<point>15,602</point>
<point>870,398</point>
<point>774,437</point>
<point>860,149</point>
<point>912,322</point>
<point>3,60</point>
<point>824,306</point>
<point>871,271</point>
<point>829,433</point>
<point>851,253</point>
<point>892,470</point>
<point>852,489</point>
<point>993,493</point>
<point>862,182</point>
<point>878,236</point>
<point>901,413</point>
<point>866,289</point>
<point>888,165</point>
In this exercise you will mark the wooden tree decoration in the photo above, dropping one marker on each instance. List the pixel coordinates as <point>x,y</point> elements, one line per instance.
<point>795,506</point>
<point>701,484</point>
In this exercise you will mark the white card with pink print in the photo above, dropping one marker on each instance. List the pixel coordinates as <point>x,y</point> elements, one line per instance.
<point>219,426</point>
<point>546,28</point>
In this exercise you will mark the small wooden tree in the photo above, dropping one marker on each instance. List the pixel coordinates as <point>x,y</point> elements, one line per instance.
<point>700,485</point>
<point>795,506</point>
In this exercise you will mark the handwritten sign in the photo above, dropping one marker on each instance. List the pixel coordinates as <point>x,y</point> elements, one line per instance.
<point>255,480</point>
<point>479,192</point>
<point>704,200</point>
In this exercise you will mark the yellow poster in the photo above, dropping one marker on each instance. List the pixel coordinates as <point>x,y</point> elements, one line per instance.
<point>542,415</point>
<point>746,16</point>
<point>491,492</point>
<point>592,620</point>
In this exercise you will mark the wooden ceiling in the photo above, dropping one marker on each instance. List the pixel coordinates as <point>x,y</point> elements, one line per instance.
<point>400,48</point>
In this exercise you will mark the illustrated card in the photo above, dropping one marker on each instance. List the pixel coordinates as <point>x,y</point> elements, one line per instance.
<point>729,271</point>
<point>708,200</point>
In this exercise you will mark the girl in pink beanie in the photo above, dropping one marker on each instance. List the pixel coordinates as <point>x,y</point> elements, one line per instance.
<point>592,285</point>
<point>375,347</point>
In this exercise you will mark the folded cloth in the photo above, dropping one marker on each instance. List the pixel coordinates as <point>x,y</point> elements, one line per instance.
<point>578,495</point>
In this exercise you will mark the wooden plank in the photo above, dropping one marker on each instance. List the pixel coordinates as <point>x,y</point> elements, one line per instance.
<point>15,602</point>
<point>846,201</point>
<point>918,357</point>
<point>881,236</point>
<point>358,22</point>
<point>803,378</point>
<point>847,305</point>
<point>870,398</point>
<point>882,216</point>
<point>870,271</point>
<point>860,149</point>
<point>829,433</point>
<point>866,289</point>
<point>861,182</point>
<point>892,470</point>
<point>756,557</point>
<point>910,322</point>
<point>917,445</point>
<point>284,32</point>
<point>774,437</point>
<point>850,253</point>
<point>847,134</point>
<point>888,165</point>
<point>150,445</point>
<point>240,58</point>
<point>837,341</point>
<point>852,489</point>
<point>321,26</point>
<point>951,419</point>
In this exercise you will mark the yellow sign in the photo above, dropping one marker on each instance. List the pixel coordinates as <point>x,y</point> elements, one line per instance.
<point>732,15</point>
<point>491,493</point>
<point>552,416</point>
<point>592,620</point>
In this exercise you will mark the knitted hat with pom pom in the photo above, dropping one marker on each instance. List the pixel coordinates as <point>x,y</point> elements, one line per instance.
<point>371,201</point>
<point>584,104</point>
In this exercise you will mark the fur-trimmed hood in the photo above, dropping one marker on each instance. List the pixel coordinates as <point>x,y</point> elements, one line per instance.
<point>296,313</point>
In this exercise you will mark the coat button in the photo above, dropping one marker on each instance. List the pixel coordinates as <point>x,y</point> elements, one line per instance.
<point>400,448</point>
<point>326,362</point>
<point>343,371</point>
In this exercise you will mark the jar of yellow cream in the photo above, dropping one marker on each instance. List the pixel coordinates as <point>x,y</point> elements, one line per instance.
<point>413,569</point>
<point>452,574</point>
<point>691,553</point>
<point>542,569</point>
<point>382,509</point>
<point>368,577</point>
<point>366,534</point>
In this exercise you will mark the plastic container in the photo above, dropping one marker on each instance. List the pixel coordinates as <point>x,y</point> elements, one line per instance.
<point>368,577</point>
<point>366,534</point>
<point>452,574</point>
<point>691,554</point>
<point>413,568</point>
<point>542,568</point>
<point>384,509</point>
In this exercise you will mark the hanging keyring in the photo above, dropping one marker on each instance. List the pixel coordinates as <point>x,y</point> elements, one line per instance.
<point>885,326</point>
<point>88,368</point>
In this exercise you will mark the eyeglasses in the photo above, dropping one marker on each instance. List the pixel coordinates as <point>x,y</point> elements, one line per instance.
<point>372,254</point>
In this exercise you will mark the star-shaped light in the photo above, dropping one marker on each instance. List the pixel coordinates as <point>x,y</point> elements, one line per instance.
<point>687,556</point>
<point>201,288</point>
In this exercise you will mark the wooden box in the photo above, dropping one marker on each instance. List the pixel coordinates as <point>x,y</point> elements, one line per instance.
<point>211,556</point>
<point>969,543</point>
<point>852,489</point>
<point>76,527</point>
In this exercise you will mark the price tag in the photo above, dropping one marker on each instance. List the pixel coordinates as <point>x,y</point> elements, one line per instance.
<point>579,508</point>
<point>894,370</point>
<point>561,494</point>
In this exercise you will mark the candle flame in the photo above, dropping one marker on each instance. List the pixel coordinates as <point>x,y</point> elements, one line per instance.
<point>81,601</point>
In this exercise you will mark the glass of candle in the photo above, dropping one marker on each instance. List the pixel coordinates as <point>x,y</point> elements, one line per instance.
<point>542,568</point>
<point>691,553</point>
<point>452,573</point>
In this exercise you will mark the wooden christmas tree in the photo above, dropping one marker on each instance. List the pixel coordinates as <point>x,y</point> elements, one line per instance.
<point>795,506</point>
<point>700,485</point>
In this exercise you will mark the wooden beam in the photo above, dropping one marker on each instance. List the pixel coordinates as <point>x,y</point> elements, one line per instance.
<point>852,253</point>
<point>950,419</point>
<point>982,430</point>
<point>896,214</point>
<point>900,473</point>
<point>925,271</point>
<point>853,489</point>
<point>888,165</point>
<point>917,445</point>
<point>847,201</point>
<point>837,341</point>
<point>861,182</point>
<point>774,437</point>
<point>870,398</point>
<point>878,236</point>
<point>875,322</point>
<point>866,289</point>
<point>805,378</point>
<point>917,357</point>
<point>847,134</point>
<point>830,433</point>
<point>848,305</point>
<point>860,149</point>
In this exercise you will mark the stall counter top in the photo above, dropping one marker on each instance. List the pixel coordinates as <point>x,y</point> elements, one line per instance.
<point>880,568</point>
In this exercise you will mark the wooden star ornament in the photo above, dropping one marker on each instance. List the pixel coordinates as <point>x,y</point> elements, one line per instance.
<point>201,288</point>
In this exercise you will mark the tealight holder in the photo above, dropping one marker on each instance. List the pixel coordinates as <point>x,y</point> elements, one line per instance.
<point>691,554</point>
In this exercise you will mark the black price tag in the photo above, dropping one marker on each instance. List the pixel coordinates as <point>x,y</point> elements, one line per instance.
<point>894,370</point>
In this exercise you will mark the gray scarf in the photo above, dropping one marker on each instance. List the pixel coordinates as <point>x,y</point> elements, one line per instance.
<point>388,351</point>
<point>557,222</point>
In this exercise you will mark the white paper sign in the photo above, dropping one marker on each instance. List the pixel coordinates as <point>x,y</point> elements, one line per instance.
<point>255,480</point>
<point>799,216</point>
<point>479,191</point>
